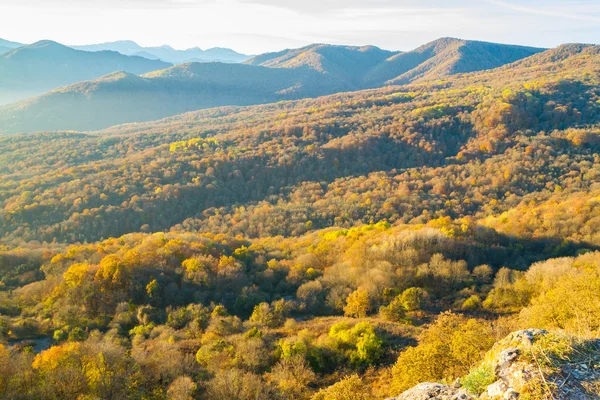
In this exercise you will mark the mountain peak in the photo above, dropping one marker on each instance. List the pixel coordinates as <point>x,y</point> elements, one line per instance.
<point>113,76</point>
<point>46,43</point>
<point>446,56</point>
<point>127,42</point>
<point>47,47</point>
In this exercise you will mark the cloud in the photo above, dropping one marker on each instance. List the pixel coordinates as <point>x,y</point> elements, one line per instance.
<point>318,7</point>
<point>255,26</point>
<point>561,12</point>
<point>102,4</point>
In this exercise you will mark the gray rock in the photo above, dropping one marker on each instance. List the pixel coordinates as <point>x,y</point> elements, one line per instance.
<point>434,391</point>
<point>506,359</point>
<point>497,389</point>
<point>527,337</point>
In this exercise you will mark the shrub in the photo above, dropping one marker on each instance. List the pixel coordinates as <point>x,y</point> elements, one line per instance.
<point>472,303</point>
<point>349,388</point>
<point>447,349</point>
<point>479,378</point>
<point>394,311</point>
<point>360,343</point>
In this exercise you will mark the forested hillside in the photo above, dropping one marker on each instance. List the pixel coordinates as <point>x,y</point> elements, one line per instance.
<point>465,147</point>
<point>344,247</point>
<point>370,66</point>
<point>292,74</point>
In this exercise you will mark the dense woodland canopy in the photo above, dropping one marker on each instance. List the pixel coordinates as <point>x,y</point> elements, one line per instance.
<point>345,247</point>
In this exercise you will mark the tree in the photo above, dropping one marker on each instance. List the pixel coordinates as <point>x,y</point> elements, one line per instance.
<point>239,385</point>
<point>572,305</point>
<point>182,388</point>
<point>358,304</point>
<point>292,375</point>
<point>61,371</point>
<point>268,315</point>
<point>414,299</point>
<point>483,273</point>
<point>472,303</point>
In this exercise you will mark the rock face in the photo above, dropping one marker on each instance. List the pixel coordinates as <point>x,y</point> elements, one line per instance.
<point>437,391</point>
<point>531,364</point>
<point>512,373</point>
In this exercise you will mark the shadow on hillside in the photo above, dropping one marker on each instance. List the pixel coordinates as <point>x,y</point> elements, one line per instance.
<point>502,250</point>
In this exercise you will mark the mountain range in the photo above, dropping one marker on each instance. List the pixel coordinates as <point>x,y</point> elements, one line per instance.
<point>398,153</point>
<point>369,66</point>
<point>34,69</point>
<point>292,74</point>
<point>169,54</point>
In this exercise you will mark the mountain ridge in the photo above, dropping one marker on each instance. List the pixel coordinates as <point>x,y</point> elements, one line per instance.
<point>126,97</point>
<point>167,53</point>
<point>311,71</point>
<point>46,65</point>
<point>10,44</point>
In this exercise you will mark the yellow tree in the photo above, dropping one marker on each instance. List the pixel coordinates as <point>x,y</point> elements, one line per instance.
<point>358,304</point>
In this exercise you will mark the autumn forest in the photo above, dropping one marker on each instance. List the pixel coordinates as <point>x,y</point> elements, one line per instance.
<point>349,246</point>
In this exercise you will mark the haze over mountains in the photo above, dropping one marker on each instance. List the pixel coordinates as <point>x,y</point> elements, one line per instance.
<point>169,54</point>
<point>34,69</point>
<point>292,74</point>
<point>9,44</point>
<point>6,45</point>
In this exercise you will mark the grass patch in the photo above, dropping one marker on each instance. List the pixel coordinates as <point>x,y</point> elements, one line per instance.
<point>479,378</point>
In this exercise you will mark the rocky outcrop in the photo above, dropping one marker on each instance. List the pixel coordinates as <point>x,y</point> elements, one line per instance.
<point>437,391</point>
<point>511,371</point>
<point>532,364</point>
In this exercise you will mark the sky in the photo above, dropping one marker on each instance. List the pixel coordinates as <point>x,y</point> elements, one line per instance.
<point>258,26</point>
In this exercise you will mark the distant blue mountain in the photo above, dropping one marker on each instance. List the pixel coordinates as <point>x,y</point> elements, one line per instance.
<point>9,44</point>
<point>34,69</point>
<point>169,54</point>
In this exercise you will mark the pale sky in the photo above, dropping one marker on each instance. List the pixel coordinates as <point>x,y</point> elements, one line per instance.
<point>257,26</point>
